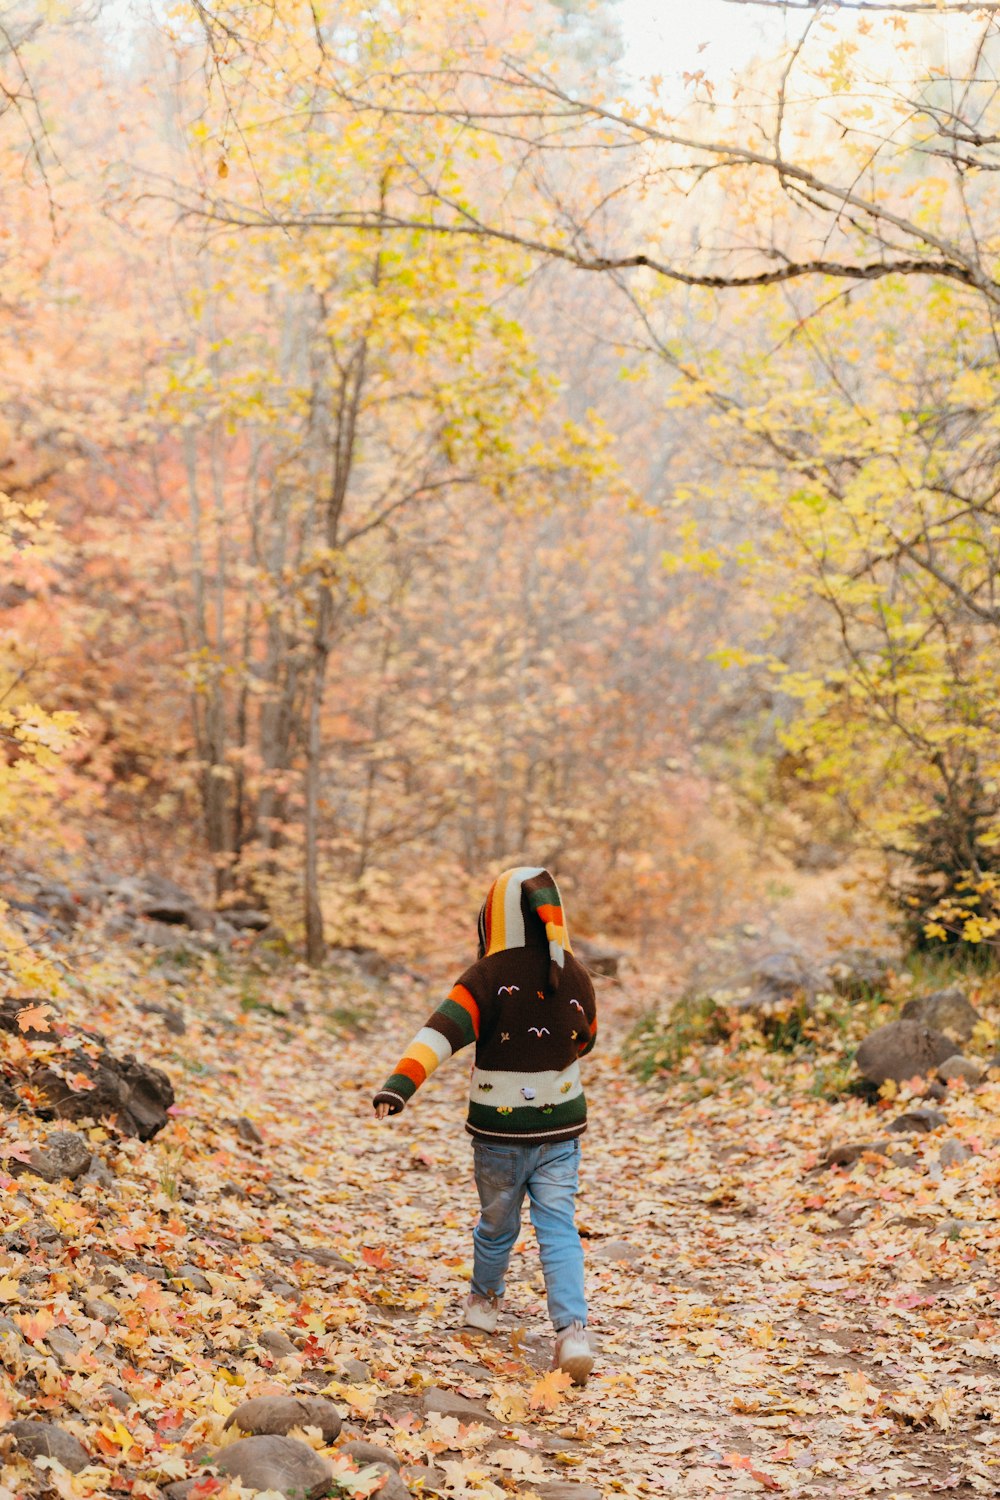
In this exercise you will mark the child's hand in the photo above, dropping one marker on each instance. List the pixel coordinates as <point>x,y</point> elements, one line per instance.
<point>382,1111</point>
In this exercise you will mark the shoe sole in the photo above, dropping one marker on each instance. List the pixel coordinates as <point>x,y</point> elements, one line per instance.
<point>479,1327</point>
<point>578,1367</point>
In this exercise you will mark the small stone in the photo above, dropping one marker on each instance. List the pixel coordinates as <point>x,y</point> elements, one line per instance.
<point>285,1290</point>
<point>277,1342</point>
<point>191,1279</point>
<point>272,1462</point>
<point>921,1119</point>
<point>116,1397</point>
<point>848,1154</point>
<point>953,1153</point>
<point>427,1475</point>
<point>392,1486</point>
<point>63,1343</point>
<point>565,1489</point>
<point>322,1255</point>
<point>935,1091</point>
<point>960,1069</point>
<point>369,1453</point>
<point>96,1307</point>
<point>64,1154</point>
<point>618,1250</point>
<point>451,1405</point>
<point>248,1132</point>
<point>46,1440</point>
<point>355,1371</point>
<point>277,1415</point>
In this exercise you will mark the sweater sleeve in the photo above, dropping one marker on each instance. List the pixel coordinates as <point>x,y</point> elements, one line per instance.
<point>454,1025</point>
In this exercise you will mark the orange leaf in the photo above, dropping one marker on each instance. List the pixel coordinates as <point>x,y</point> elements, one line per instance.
<point>34,1018</point>
<point>547,1393</point>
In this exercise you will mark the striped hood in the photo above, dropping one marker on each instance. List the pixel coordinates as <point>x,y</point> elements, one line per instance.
<point>524,908</point>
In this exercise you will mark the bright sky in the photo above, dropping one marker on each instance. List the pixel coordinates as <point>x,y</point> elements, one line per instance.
<point>663,36</point>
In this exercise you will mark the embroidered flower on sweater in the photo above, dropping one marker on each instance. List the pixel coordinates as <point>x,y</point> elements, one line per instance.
<point>540,1031</point>
<point>509,989</point>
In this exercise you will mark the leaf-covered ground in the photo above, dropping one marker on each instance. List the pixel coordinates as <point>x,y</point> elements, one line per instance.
<point>764,1324</point>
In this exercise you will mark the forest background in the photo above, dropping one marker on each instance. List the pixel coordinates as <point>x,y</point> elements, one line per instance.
<point>424,447</point>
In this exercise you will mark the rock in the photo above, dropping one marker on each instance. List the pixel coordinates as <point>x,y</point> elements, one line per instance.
<point>902,1050</point>
<point>248,1132</point>
<point>392,1486</point>
<point>858,973</point>
<point>63,1343</point>
<point>276,1342</point>
<point>427,1475</point>
<point>370,1453</point>
<point>960,1069</point>
<point>994,1062</point>
<point>64,1154</point>
<point>566,1489</point>
<point>355,1371</point>
<point>946,1010</point>
<point>847,1155</point>
<point>134,1095</point>
<point>451,1405</point>
<point>618,1250</point>
<point>46,1440</point>
<point>953,1153</point>
<point>921,1119</point>
<point>322,1255</point>
<point>196,1281</point>
<point>284,1289</point>
<point>172,1017</point>
<point>117,1398</point>
<point>776,981</point>
<point>96,1307</point>
<point>597,959</point>
<point>277,1415</point>
<point>276,1463</point>
<point>247,919</point>
<point>935,1091</point>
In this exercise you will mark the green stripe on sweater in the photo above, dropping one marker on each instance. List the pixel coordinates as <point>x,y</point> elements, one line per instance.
<point>460,1016</point>
<point>528,1120</point>
<point>400,1084</point>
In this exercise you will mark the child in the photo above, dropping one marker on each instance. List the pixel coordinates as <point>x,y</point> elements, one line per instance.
<point>529,1007</point>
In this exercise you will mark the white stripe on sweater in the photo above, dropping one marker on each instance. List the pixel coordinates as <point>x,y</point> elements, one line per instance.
<point>506,1090</point>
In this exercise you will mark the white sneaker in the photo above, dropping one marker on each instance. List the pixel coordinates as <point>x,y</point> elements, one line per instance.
<point>573,1353</point>
<point>481,1312</point>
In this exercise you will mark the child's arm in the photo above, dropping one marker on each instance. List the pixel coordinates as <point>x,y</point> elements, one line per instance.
<point>454,1025</point>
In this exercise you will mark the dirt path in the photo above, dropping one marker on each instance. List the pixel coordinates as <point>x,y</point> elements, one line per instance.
<point>764,1325</point>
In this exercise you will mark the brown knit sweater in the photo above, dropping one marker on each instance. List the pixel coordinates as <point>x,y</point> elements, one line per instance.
<point>528,1006</point>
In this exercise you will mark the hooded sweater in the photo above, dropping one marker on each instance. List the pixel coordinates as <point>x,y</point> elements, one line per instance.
<point>528,1007</point>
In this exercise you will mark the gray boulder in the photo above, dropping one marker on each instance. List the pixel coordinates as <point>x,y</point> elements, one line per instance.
<point>901,1050</point>
<point>277,1463</point>
<point>276,1342</point>
<point>953,1153</point>
<point>46,1440</point>
<point>946,1010</point>
<point>277,1415</point>
<point>776,981</point>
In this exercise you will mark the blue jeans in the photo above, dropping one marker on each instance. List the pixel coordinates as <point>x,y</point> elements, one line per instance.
<point>549,1174</point>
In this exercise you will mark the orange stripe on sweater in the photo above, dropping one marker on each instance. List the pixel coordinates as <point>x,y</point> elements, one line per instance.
<point>551,914</point>
<point>410,1068</point>
<point>461,997</point>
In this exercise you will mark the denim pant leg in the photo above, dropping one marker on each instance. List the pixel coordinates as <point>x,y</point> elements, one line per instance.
<point>552,1189</point>
<point>500,1178</point>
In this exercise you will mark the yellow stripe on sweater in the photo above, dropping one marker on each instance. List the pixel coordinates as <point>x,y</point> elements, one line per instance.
<point>424,1055</point>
